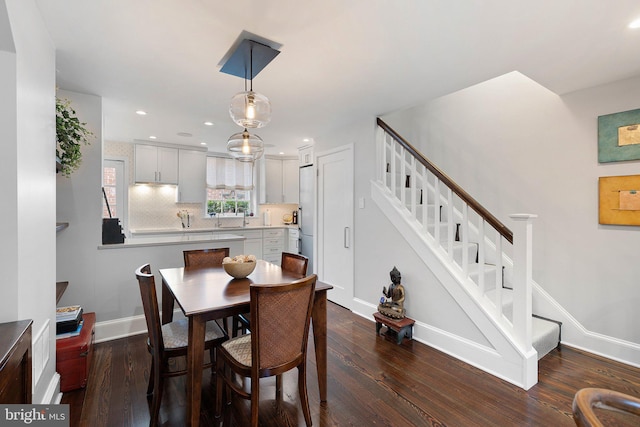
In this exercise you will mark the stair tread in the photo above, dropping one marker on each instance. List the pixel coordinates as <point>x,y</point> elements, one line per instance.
<point>545,336</point>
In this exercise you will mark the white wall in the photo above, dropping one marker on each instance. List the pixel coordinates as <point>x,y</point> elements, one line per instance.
<point>79,202</point>
<point>517,147</point>
<point>28,185</point>
<point>378,247</point>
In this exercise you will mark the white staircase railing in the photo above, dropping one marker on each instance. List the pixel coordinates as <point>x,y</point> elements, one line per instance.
<point>452,221</point>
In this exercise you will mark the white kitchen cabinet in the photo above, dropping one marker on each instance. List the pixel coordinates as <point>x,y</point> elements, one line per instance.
<point>305,155</point>
<point>156,164</point>
<point>252,243</point>
<point>294,242</point>
<point>279,180</point>
<point>192,176</point>
<point>273,181</point>
<point>273,245</point>
<point>290,180</point>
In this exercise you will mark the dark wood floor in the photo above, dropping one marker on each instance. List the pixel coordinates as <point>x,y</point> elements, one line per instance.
<point>371,381</point>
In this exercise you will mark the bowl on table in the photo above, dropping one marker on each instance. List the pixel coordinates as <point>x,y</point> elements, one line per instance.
<point>239,266</point>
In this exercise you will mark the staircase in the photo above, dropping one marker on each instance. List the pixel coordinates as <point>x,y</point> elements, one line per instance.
<point>477,258</point>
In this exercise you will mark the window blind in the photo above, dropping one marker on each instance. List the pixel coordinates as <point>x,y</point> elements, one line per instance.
<point>229,174</point>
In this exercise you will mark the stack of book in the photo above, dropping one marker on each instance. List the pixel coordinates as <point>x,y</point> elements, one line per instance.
<point>68,321</point>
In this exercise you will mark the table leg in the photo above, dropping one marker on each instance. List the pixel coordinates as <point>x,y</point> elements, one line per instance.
<point>319,320</point>
<point>195,355</point>
<point>167,304</point>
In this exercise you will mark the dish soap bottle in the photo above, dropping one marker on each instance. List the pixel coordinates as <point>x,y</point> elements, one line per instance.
<point>267,218</point>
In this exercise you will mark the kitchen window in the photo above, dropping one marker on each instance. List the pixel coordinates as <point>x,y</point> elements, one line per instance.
<point>229,186</point>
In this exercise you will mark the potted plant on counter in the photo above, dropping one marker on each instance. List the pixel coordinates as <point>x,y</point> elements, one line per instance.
<point>71,134</point>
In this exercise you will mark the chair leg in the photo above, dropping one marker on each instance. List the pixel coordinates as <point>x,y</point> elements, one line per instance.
<point>279,387</point>
<point>255,401</point>
<point>219,383</point>
<point>157,395</point>
<point>212,359</point>
<point>151,377</point>
<point>302,389</point>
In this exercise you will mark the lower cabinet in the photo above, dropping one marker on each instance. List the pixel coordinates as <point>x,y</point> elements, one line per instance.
<point>252,243</point>
<point>15,362</point>
<point>273,245</point>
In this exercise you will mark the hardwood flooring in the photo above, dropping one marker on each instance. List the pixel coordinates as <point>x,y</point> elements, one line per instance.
<point>371,382</point>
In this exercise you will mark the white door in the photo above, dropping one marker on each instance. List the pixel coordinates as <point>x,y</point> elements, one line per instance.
<point>335,223</point>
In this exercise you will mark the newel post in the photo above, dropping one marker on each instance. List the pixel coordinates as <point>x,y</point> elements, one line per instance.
<point>522,278</point>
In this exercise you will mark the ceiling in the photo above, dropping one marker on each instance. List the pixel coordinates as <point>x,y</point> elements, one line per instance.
<point>340,61</point>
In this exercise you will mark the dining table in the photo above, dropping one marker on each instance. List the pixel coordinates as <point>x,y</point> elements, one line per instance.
<point>210,293</point>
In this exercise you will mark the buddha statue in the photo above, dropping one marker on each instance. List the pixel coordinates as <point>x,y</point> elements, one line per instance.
<point>392,303</point>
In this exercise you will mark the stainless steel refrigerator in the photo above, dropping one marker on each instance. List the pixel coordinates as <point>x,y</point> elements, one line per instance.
<point>306,214</point>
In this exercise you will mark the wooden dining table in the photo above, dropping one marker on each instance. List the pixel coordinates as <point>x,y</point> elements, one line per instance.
<point>205,294</point>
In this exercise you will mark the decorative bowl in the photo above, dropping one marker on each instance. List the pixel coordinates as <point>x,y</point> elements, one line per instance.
<point>239,270</point>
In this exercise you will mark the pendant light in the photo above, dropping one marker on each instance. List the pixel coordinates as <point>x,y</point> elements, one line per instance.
<point>245,146</point>
<point>250,109</point>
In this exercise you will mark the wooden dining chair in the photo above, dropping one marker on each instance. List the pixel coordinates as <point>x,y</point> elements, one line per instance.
<point>586,399</point>
<point>291,262</point>
<point>211,258</point>
<point>168,341</point>
<point>295,263</point>
<point>280,317</point>
<point>205,257</point>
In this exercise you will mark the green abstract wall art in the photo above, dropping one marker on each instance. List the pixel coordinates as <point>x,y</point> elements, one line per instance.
<point>619,137</point>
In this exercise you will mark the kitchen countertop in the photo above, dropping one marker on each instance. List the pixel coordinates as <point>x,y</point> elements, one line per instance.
<point>216,230</point>
<point>173,240</point>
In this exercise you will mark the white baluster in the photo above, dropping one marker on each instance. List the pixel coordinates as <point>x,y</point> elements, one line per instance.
<point>481,252</point>
<point>465,239</point>
<point>450,222</point>
<point>498,281</point>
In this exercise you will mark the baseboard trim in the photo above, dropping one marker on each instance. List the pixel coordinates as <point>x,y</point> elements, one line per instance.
<point>576,335</point>
<point>52,395</point>
<point>124,327</point>
<point>478,355</point>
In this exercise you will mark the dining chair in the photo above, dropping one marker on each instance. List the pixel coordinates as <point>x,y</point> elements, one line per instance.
<point>168,341</point>
<point>586,399</point>
<point>280,317</point>
<point>205,257</point>
<point>294,263</point>
<point>211,258</point>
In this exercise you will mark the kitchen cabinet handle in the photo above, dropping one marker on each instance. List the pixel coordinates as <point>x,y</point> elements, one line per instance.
<point>155,176</point>
<point>347,242</point>
<point>159,176</point>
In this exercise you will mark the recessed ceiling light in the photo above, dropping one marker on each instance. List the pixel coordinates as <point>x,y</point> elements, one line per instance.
<point>635,24</point>
<point>141,113</point>
<point>203,143</point>
<point>282,153</point>
<point>208,123</point>
<point>152,137</point>
<point>305,140</point>
<point>185,134</point>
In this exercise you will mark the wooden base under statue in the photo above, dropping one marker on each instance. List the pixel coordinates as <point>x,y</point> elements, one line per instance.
<point>403,328</point>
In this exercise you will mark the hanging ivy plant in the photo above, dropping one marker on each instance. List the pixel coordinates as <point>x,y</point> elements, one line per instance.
<point>71,134</point>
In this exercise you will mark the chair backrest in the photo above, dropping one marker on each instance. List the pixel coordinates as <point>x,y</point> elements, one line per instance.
<point>147,285</point>
<point>205,257</point>
<point>586,399</point>
<point>280,317</point>
<point>294,263</point>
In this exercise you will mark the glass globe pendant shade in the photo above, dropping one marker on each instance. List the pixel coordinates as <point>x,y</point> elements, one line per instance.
<point>250,109</point>
<point>245,146</point>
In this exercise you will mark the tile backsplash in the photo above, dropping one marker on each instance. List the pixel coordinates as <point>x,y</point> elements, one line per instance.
<point>155,207</point>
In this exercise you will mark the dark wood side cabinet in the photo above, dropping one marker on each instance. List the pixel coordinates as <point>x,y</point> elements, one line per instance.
<point>15,365</point>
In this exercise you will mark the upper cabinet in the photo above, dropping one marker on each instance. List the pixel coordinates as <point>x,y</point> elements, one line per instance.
<point>156,164</point>
<point>192,176</point>
<point>279,180</point>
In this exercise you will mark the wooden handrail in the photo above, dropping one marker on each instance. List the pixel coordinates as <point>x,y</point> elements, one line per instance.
<point>470,201</point>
